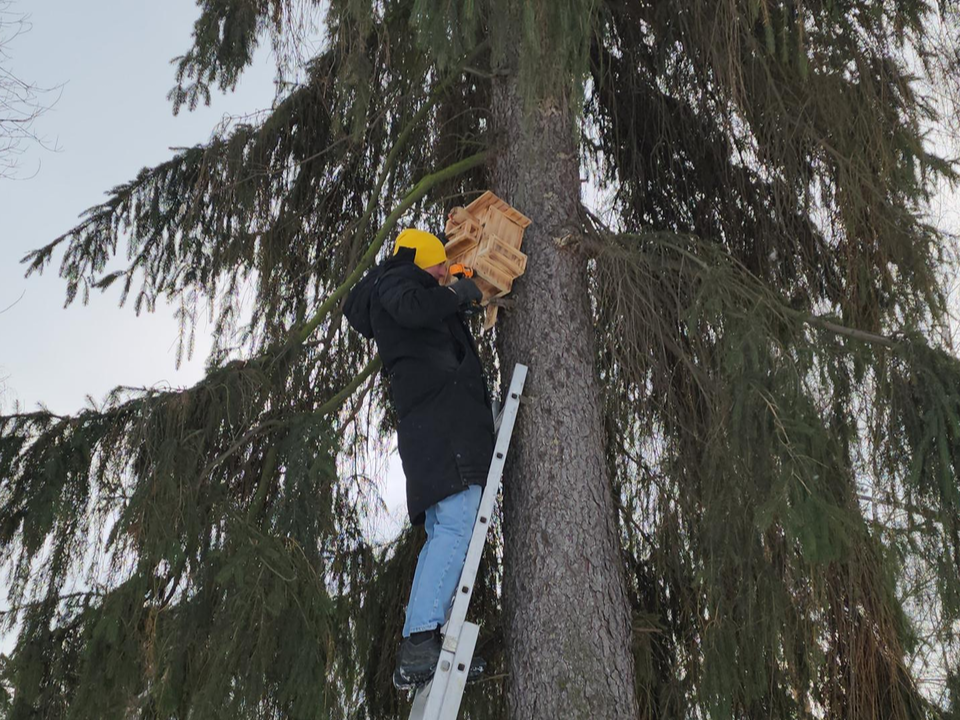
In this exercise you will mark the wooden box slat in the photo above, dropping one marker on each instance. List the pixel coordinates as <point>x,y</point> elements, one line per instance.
<point>503,256</point>
<point>488,289</point>
<point>488,199</point>
<point>490,316</point>
<point>494,275</point>
<point>482,203</point>
<point>460,246</point>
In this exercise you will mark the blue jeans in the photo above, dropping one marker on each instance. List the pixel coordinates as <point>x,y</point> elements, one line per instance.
<point>449,525</point>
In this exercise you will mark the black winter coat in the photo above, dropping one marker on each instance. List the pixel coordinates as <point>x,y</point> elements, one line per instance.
<point>445,432</point>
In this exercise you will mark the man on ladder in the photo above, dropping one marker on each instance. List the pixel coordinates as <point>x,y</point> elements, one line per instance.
<point>445,433</point>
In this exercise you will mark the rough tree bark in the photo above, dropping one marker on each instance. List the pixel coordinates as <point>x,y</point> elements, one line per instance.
<point>566,610</point>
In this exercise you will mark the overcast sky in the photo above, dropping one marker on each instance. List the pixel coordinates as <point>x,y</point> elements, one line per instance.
<point>111,120</point>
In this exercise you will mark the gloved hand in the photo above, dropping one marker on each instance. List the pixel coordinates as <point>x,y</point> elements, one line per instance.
<point>467,291</point>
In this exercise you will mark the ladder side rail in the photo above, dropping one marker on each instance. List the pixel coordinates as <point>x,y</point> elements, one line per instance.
<point>487,503</point>
<point>453,696</point>
<point>420,698</point>
<point>443,700</point>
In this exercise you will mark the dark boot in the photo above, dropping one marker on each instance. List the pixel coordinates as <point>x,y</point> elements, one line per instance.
<point>417,659</point>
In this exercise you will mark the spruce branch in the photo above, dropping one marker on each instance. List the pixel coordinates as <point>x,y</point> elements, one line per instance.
<point>854,333</point>
<point>403,138</point>
<point>270,461</point>
<point>19,608</point>
<point>413,195</point>
<point>598,240</point>
<point>276,423</point>
<point>338,399</point>
<point>266,477</point>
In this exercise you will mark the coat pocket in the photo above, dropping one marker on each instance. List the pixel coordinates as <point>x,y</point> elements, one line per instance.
<point>472,469</point>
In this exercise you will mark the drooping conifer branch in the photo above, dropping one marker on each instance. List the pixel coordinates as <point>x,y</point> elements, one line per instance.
<point>274,424</point>
<point>337,400</point>
<point>298,519</point>
<point>712,364</point>
<point>740,132</point>
<point>404,137</point>
<point>414,196</point>
<point>861,335</point>
<point>202,224</point>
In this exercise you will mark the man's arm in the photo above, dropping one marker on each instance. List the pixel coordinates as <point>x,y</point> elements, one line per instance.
<point>414,306</point>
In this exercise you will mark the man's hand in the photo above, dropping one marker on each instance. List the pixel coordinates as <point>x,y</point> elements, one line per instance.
<point>467,291</point>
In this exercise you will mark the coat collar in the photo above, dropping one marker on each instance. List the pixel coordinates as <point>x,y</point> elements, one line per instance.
<point>406,268</point>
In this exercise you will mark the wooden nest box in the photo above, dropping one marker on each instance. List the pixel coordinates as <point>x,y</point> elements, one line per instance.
<point>486,236</point>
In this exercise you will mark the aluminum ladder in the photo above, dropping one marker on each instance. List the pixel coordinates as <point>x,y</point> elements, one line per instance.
<point>440,698</point>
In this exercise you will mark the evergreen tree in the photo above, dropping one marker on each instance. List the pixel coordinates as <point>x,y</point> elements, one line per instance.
<point>742,436</point>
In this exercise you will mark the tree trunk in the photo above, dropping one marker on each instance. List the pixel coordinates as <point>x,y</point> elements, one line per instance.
<point>566,610</point>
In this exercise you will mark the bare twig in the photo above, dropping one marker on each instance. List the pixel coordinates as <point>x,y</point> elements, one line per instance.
<point>13,303</point>
<point>21,102</point>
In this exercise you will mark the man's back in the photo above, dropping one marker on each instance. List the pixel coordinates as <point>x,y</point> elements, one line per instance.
<point>445,430</point>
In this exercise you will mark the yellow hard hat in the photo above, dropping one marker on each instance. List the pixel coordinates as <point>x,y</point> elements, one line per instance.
<point>428,247</point>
